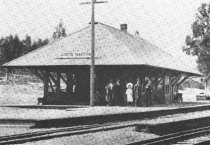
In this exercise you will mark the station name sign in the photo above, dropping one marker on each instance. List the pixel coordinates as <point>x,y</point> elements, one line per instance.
<point>76,54</point>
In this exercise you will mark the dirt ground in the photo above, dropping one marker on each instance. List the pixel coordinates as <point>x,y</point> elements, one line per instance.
<point>16,94</point>
<point>189,94</point>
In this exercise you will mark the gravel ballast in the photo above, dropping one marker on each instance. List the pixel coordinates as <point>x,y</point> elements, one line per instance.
<point>113,137</point>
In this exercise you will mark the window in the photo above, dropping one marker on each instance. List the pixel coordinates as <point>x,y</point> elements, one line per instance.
<point>167,89</point>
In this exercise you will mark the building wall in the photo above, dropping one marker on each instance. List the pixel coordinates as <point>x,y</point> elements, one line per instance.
<point>207,87</point>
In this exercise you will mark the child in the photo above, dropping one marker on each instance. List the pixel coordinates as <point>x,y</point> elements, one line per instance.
<point>129,93</point>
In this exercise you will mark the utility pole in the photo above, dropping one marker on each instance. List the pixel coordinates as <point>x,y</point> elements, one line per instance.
<point>92,66</point>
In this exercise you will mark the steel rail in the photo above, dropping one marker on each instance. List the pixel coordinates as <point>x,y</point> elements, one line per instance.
<point>60,132</point>
<point>207,142</point>
<point>175,137</point>
<point>75,130</point>
<point>196,141</point>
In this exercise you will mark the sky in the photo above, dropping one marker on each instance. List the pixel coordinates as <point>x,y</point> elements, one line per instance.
<point>165,23</point>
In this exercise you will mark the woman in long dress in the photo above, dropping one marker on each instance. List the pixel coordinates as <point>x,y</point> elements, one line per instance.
<point>129,93</point>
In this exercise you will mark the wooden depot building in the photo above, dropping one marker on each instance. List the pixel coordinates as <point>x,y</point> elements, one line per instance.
<point>64,65</point>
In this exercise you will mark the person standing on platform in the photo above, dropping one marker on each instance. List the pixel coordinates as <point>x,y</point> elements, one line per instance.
<point>117,95</point>
<point>137,93</point>
<point>98,98</point>
<point>109,93</point>
<point>148,94</point>
<point>129,94</point>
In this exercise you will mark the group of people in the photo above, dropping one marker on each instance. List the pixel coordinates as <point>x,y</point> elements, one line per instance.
<point>139,94</point>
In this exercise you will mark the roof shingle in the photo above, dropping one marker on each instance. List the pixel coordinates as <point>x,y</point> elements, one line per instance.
<point>112,47</point>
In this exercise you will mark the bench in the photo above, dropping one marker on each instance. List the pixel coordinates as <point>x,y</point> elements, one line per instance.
<point>178,98</point>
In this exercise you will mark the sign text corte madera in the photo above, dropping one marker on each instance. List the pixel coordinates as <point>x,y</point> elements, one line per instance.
<point>76,54</point>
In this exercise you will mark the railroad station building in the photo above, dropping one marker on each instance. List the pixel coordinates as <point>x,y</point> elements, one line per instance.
<point>64,65</point>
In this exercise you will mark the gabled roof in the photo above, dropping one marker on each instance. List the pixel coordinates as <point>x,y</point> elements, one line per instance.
<point>112,47</point>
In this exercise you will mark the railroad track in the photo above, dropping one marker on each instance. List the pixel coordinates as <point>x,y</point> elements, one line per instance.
<point>60,132</point>
<point>68,131</point>
<point>175,137</point>
<point>203,140</point>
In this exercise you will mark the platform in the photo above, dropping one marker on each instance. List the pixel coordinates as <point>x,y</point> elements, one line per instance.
<point>174,123</point>
<point>58,116</point>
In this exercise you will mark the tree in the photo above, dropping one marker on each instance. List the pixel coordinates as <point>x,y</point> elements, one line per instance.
<point>60,31</point>
<point>39,43</point>
<point>27,42</point>
<point>12,47</point>
<point>198,43</point>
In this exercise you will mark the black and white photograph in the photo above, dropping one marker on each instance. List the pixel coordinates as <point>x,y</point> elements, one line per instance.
<point>105,72</point>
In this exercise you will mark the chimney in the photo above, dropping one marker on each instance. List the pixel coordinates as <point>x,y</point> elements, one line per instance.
<point>123,27</point>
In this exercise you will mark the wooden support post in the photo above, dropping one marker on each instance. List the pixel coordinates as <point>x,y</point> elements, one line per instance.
<point>158,81</point>
<point>58,83</point>
<point>176,80</point>
<point>176,76</point>
<point>53,79</point>
<point>171,89</point>
<point>163,75</point>
<point>186,77</point>
<point>69,82</point>
<point>51,85</point>
<point>173,79</point>
<point>156,84</point>
<point>176,86</point>
<point>46,79</point>
<point>155,90</point>
<point>63,79</point>
<point>39,74</point>
<point>164,88</point>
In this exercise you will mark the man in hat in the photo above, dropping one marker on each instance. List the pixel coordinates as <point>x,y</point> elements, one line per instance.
<point>137,93</point>
<point>117,95</point>
<point>148,93</point>
<point>109,92</point>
